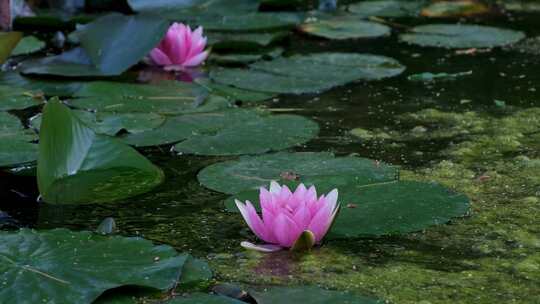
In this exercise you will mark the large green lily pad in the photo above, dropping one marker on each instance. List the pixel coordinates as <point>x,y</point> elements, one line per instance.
<point>385,208</point>
<point>61,266</point>
<point>116,42</point>
<point>229,132</point>
<point>252,172</point>
<point>78,166</point>
<point>345,27</point>
<point>461,36</point>
<point>14,98</point>
<point>309,294</point>
<point>258,135</point>
<point>164,98</point>
<point>374,202</point>
<point>308,73</point>
<point>182,127</point>
<point>387,8</point>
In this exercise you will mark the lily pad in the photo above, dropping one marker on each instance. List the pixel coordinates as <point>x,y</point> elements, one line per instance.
<point>245,58</point>
<point>233,93</point>
<point>252,172</point>
<point>111,123</point>
<point>61,266</point>
<point>387,8</point>
<point>231,132</point>
<point>164,98</point>
<point>458,8</point>
<point>386,208</point>
<point>461,36</point>
<point>243,41</point>
<point>49,87</point>
<point>8,41</point>
<point>263,134</point>
<point>14,98</point>
<point>14,142</point>
<point>14,152</point>
<point>245,22</point>
<point>226,7</point>
<point>345,27</point>
<point>110,44</point>
<point>28,45</point>
<point>12,128</point>
<point>308,73</point>
<point>72,63</point>
<point>78,166</point>
<point>309,294</point>
<point>195,271</point>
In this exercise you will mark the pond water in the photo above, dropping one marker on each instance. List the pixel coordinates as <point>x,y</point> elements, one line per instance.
<point>478,142</point>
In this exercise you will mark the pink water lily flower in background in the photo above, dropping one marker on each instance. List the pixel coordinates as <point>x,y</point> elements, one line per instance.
<point>288,217</point>
<point>180,48</point>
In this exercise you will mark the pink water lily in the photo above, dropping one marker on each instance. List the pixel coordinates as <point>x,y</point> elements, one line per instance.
<point>180,48</point>
<point>288,217</point>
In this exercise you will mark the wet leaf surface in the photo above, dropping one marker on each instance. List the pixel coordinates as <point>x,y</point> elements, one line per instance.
<point>61,266</point>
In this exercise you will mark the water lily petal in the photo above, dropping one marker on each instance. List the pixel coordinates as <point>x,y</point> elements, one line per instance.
<point>159,58</point>
<point>275,188</point>
<point>302,217</point>
<point>251,218</point>
<point>321,221</point>
<point>285,230</point>
<point>195,61</point>
<point>262,248</point>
